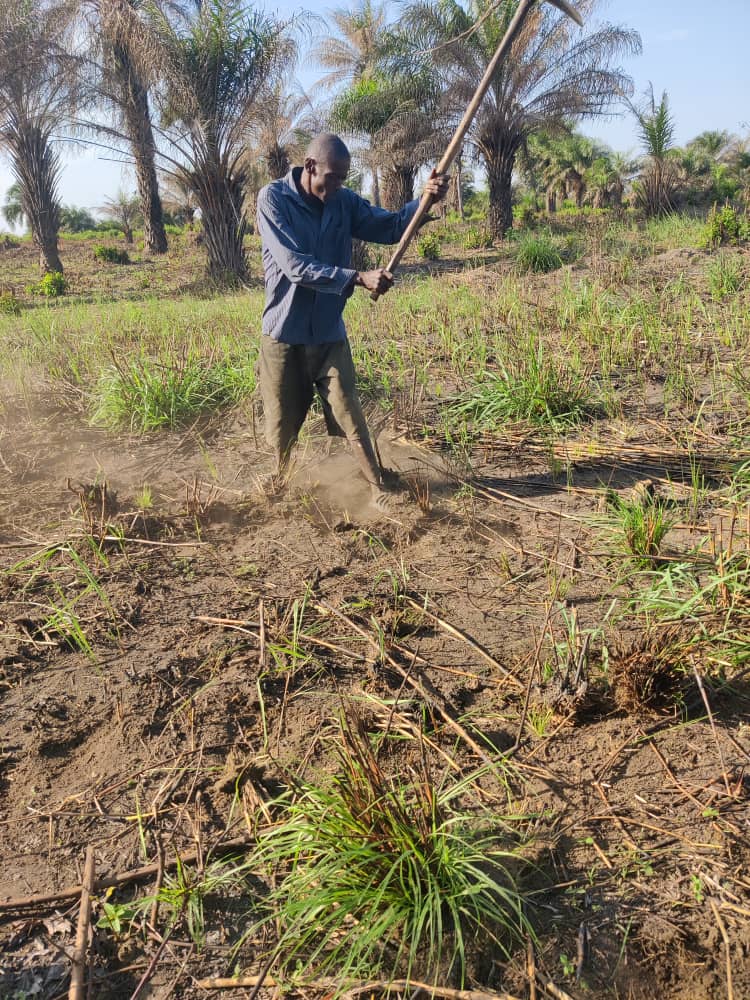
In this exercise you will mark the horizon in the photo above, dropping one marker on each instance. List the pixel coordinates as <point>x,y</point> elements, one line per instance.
<point>691,56</point>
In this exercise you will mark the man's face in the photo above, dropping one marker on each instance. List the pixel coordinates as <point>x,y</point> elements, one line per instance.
<point>326,178</point>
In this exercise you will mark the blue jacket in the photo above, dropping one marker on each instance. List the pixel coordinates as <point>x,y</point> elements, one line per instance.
<point>307,257</point>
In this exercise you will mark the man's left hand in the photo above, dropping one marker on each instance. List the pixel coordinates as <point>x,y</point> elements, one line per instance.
<point>437,185</point>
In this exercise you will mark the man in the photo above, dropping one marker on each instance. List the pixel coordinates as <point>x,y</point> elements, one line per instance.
<point>306,222</point>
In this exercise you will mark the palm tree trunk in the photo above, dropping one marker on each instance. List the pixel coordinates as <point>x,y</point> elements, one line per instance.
<point>220,192</point>
<point>398,186</point>
<point>36,168</point>
<point>134,99</point>
<point>376,187</point>
<point>499,178</point>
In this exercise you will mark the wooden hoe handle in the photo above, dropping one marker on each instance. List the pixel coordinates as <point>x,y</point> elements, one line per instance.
<point>456,142</point>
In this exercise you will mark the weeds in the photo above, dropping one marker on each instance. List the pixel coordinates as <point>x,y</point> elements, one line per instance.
<point>428,246</point>
<point>111,255</point>
<point>376,874</point>
<point>145,395</point>
<point>536,388</point>
<point>51,286</point>
<point>537,253</point>
<point>724,276</point>
<point>636,527</point>
<point>9,304</point>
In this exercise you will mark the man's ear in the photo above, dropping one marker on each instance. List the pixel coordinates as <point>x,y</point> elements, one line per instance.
<point>310,165</point>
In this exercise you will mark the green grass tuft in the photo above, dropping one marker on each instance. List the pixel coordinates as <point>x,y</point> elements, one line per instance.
<point>378,876</point>
<point>724,276</point>
<point>535,388</point>
<point>146,394</point>
<point>536,252</point>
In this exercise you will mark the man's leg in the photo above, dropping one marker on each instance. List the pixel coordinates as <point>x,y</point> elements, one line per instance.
<point>287,392</point>
<point>335,381</point>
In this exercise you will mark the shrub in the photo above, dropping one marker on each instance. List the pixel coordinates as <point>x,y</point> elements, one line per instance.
<point>477,238</point>
<point>537,253</point>
<point>525,213</point>
<point>111,255</point>
<point>725,226</point>
<point>51,286</point>
<point>428,246</point>
<point>724,276</point>
<point>9,304</point>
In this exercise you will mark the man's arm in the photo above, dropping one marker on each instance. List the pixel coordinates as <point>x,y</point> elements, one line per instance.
<point>377,225</point>
<point>300,268</point>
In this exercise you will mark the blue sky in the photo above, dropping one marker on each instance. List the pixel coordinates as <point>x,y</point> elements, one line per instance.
<point>694,50</point>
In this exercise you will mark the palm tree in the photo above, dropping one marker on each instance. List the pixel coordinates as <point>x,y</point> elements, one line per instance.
<point>178,199</point>
<point>12,210</point>
<point>125,210</point>
<point>122,85</point>
<point>215,59</point>
<point>282,129</point>
<point>350,53</point>
<point>38,92</point>
<point>393,110</point>
<point>354,51</point>
<point>548,77</point>
<point>76,220</point>
<point>656,187</point>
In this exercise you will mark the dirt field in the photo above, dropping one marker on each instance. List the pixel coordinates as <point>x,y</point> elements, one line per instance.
<point>179,643</point>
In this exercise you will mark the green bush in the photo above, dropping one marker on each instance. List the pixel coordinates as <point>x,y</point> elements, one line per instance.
<point>477,238</point>
<point>725,226</point>
<point>171,230</point>
<point>9,304</point>
<point>525,213</point>
<point>428,246</point>
<point>51,286</point>
<point>537,253</point>
<point>111,255</point>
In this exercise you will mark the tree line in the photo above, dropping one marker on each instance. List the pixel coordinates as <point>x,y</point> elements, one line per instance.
<point>201,96</point>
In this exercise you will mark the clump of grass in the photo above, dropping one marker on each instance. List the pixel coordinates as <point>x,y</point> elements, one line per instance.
<point>145,394</point>
<point>653,673</point>
<point>428,246</point>
<point>536,388</point>
<point>724,276</point>
<point>373,874</point>
<point>536,252</point>
<point>636,527</point>
<point>111,255</point>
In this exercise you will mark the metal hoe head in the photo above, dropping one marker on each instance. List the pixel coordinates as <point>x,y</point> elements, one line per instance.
<point>566,8</point>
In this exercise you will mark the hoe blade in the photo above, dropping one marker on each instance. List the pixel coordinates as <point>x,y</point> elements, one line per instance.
<point>568,9</point>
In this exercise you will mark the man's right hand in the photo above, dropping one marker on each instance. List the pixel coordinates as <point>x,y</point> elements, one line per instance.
<point>378,280</point>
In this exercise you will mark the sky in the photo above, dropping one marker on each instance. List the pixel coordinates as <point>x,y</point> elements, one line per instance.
<point>694,50</point>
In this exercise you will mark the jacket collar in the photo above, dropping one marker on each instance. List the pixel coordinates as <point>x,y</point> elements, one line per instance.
<point>290,188</point>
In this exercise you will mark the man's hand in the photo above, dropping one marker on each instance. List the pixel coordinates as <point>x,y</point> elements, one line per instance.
<point>437,185</point>
<point>378,281</point>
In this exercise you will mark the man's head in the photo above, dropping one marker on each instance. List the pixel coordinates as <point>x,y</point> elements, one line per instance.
<point>326,165</point>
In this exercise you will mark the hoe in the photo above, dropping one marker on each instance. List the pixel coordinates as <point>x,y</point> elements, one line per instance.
<point>458,137</point>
